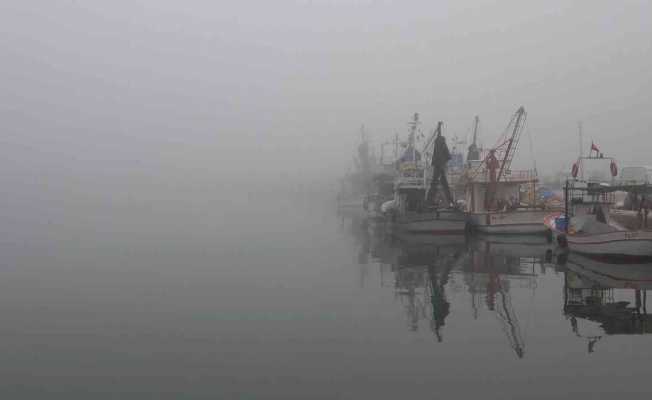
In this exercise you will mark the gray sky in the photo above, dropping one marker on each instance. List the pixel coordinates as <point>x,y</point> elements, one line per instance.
<point>214,88</point>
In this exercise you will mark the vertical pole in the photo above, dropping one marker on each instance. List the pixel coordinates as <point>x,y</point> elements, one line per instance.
<point>566,206</point>
<point>581,137</point>
<point>644,202</point>
<point>644,301</point>
<point>579,128</point>
<point>396,146</point>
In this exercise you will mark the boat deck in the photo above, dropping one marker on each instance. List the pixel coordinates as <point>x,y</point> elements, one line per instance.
<point>629,220</point>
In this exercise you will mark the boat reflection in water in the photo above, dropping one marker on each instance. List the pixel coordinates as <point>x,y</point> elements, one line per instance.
<point>421,271</point>
<point>422,267</point>
<point>612,295</point>
<point>493,281</point>
<point>497,263</point>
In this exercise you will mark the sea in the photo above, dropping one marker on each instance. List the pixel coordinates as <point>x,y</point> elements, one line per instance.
<point>200,294</point>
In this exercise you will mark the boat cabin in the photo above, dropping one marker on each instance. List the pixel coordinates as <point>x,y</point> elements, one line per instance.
<point>588,194</point>
<point>483,195</point>
<point>410,187</point>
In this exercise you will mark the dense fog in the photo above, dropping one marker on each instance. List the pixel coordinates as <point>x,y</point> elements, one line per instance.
<point>259,90</point>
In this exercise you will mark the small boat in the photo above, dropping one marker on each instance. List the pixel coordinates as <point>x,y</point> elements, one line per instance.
<point>588,236</point>
<point>410,211</point>
<point>585,226</point>
<point>383,191</point>
<point>355,184</point>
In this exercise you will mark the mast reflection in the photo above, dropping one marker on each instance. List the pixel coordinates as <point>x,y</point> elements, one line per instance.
<point>422,268</point>
<point>431,276</point>
<point>497,263</point>
<point>425,266</point>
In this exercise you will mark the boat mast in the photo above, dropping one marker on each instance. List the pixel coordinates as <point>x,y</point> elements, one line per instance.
<point>580,134</point>
<point>511,326</point>
<point>411,139</point>
<point>579,131</point>
<point>396,146</point>
<point>473,152</point>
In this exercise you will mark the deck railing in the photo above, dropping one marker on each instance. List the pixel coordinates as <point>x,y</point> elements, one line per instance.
<point>516,176</point>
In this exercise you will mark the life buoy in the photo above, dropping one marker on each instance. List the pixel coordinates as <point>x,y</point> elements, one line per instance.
<point>575,170</point>
<point>614,168</point>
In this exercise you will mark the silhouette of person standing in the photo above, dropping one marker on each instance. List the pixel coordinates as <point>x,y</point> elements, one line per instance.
<point>440,157</point>
<point>492,165</point>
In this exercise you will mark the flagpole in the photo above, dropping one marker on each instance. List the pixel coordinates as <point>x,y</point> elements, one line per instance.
<point>579,128</point>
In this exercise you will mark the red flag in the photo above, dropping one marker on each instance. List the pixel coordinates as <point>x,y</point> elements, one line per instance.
<point>594,147</point>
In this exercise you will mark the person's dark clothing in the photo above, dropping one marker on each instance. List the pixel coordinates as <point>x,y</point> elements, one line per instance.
<point>439,177</point>
<point>440,155</point>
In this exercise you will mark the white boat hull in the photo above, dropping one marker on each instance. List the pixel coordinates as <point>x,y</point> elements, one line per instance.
<point>509,222</point>
<point>450,240</point>
<point>441,223</point>
<point>621,243</point>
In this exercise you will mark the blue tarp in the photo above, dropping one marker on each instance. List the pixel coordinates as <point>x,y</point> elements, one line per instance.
<point>408,155</point>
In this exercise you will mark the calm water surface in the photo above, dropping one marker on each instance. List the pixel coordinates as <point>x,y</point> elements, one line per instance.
<point>190,298</point>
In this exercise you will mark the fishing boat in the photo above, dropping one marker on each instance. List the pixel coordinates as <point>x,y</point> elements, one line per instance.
<point>411,211</point>
<point>585,225</point>
<point>499,200</point>
<point>588,236</point>
<point>355,185</point>
<point>382,185</point>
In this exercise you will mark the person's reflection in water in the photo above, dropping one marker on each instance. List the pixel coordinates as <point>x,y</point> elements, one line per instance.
<point>413,311</point>
<point>407,281</point>
<point>573,321</point>
<point>592,342</point>
<point>440,305</point>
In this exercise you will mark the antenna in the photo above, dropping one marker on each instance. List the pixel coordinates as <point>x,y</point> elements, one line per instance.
<point>395,146</point>
<point>534,159</point>
<point>414,124</point>
<point>579,131</point>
